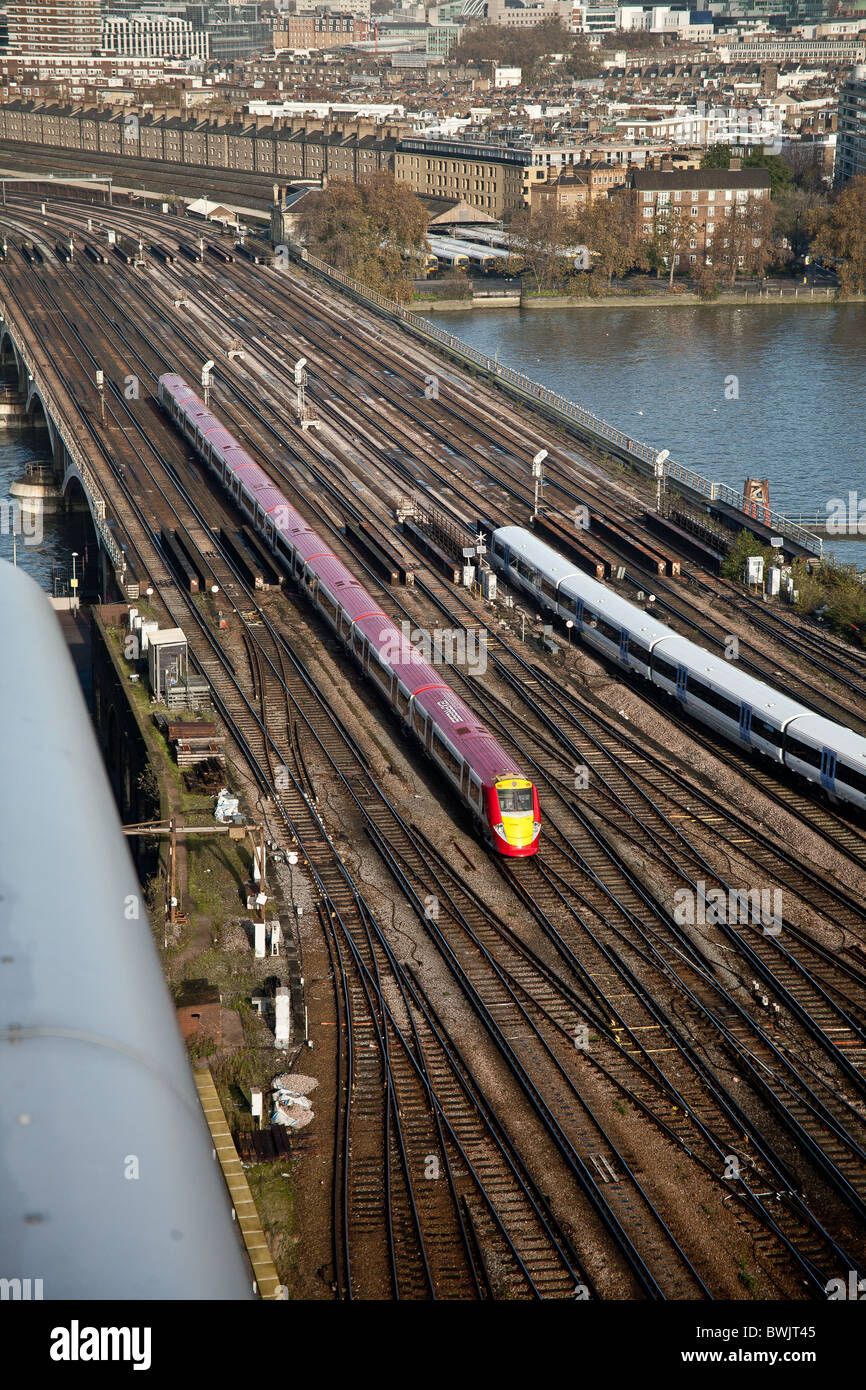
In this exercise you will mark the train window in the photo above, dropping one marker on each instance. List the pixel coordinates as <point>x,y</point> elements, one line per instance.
<point>381,674</point>
<point>664,669</point>
<point>402,700</point>
<point>474,793</point>
<point>608,630</point>
<point>443,752</point>
<point>804,752</point>
<point>512,799</point>
<point>327,605</point>
<point>770,734</point>
<point>851,777</point>
<point>499,549</point>
<point>420,721</point>
<point>714,699</point>
<point>639,651</point>
<point>589,618</point>
<point>548,588</point>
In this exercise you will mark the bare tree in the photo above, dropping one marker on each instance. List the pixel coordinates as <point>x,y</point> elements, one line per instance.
<point>674,232</point>
<point>540,237</point>
<point>607,227</point>
<point>746,241</point>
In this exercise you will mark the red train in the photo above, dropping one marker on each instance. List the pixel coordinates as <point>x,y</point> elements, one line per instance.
<point>502,800</point>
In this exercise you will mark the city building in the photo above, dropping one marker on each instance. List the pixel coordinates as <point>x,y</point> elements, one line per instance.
<point>151,35</point>
<point>490,177</point>
<point>576,187</point>
<point>319,29</point>
<point>235,31</point>
<point>842,51</point>
<point>851,128</point>
<point>706,199</point>
<point>508,15</point>
<point>350,7</point>
<point>289,149</point>
<point>54,26</point>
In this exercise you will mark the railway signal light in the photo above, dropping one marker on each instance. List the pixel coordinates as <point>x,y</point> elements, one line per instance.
<point>659,470</point>
<point>538,478</point>
<point>205,378</point>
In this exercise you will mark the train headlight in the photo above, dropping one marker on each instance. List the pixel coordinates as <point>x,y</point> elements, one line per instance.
<point>500,830</point>
<point>536,829</point>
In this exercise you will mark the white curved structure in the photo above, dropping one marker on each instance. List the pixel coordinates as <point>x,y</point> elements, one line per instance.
<point>108,1184</point>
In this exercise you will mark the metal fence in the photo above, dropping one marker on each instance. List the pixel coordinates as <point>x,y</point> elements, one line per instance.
<point>600,430</point>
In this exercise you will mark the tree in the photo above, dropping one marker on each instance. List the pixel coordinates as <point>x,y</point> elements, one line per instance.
<point>580,59</point>
<point>526,49</point>
<point>706,279</point>
<point>607,228</point>
<point>780,174</point>
<point>674,233</point>
<point>743,241</point>
<point>840,235</point>
<point>632,40</point>
<point>804,161</point>
<point>367,230</point>
<point>717,157</point>
<point>795,210</point>
<point>745,545</point>
<point>539,237</point>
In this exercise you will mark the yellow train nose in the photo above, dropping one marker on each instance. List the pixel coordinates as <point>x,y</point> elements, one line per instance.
<point>519,830</point>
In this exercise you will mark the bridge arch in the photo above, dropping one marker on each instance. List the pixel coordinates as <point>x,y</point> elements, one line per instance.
<point>12,369</point>
<point>38,418</point>
<point>91,575</point>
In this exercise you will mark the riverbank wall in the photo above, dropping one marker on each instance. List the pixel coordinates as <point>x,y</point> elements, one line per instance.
<point>790,298</point>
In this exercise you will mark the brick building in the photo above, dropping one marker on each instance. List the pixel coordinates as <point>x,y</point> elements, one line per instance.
<point>289,148</point>
<point>708,200</point>
<point>322,29</point>
<point>490,177</point>
<point>54,27</point>
<point>577,186</point>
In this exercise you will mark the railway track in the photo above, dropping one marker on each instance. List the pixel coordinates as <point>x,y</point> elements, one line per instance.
<point>665,1275</point>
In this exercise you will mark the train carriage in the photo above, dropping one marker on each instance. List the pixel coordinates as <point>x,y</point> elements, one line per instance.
<point>716,692</point>
<point>618,629</point>
<point>827,753</point>
<point>503,801</point>
<point>731,701</point>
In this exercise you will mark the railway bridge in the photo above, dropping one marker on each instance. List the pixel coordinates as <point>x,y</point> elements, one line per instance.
<point>32,396</point>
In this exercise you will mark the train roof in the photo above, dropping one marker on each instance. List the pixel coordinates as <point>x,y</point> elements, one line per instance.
<point>574,583</point>
<point>829,734</point>
<point>731,680</point>
<point>468,735</point>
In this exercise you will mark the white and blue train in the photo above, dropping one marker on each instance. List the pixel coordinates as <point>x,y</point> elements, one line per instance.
<point>713,691</point>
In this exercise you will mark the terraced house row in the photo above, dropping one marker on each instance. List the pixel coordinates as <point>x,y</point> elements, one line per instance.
<point>289,148</point>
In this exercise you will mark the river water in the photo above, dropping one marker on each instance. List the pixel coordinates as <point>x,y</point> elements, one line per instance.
<point>44,552</point>
<point>734,392</point>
